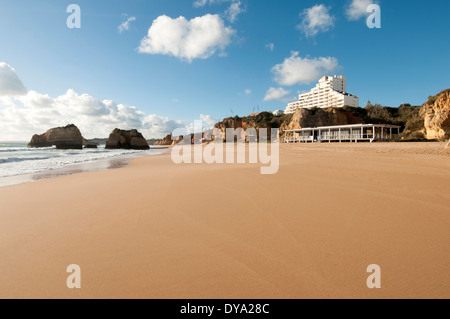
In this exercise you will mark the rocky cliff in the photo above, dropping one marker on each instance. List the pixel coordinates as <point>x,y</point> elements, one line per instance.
<point>68,137</point>
<point>166,141</point>
<point>302,118</point>
<point>436,114</point>
<point>126,140</point>
<point>257,121</point>
<point>322,117</point>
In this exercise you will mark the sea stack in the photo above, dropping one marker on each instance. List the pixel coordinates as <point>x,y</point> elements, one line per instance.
<point>68,137</point>
<point>121,139</point>
<point>90,144</point>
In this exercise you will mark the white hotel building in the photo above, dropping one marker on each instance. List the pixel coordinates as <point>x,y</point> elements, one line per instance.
<point>329,92</point>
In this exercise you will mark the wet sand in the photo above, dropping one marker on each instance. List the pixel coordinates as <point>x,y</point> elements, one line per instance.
<point>154,229</point>
<point>98,165</point>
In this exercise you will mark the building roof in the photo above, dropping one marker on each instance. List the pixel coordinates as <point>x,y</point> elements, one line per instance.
<point>344,127</point>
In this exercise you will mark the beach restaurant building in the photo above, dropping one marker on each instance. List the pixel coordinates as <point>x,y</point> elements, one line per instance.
<point>344,133</point>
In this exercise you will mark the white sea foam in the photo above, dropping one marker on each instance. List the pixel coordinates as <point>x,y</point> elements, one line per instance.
<point>17,159</point>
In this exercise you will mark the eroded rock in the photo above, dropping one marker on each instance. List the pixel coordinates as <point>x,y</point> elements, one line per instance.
<point>68,137</point>
<point>121,139</point>
<point>436,114</point>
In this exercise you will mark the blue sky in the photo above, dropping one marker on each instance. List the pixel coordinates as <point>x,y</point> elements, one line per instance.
<point>405,61</point>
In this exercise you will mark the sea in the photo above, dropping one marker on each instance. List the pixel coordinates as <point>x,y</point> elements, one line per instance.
<point>18,163</point>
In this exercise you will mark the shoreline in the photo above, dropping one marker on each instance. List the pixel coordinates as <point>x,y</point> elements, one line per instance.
<point>125,160</point>
<point>98,165</point>
<point>77,168</point>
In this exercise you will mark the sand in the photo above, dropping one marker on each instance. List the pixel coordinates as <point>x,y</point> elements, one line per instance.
<point>159,230</point>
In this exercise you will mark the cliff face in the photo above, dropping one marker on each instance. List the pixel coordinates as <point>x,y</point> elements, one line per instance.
<point>301,119</point>
<point>431,121</point>
<point>436,114</point>
<point>166,141</point>
<point>68,137</point>
<point>322,117</point>
<point>244,123</point>
<point>257,121</point>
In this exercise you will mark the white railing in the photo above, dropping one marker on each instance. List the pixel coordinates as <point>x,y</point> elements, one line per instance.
<point>340,136</point>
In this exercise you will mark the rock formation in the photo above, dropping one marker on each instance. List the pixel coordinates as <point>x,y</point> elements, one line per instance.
<point>166,141</point>
<point>234,123</point>
<point>302,118</point>
<point>126,140</point>
<point>90,144</point>
<point>177,140</point>
<point>436,114</point>
<point>448,144</point>
<point>322,117</point>
<point>98,141</point>
<point>68,137</point>
<point>256,121</point>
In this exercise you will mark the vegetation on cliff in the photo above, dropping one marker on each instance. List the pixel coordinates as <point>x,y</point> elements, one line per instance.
<point>407,116</point>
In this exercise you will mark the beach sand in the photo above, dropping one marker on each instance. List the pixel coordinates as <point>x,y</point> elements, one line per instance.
<point>154,229</point>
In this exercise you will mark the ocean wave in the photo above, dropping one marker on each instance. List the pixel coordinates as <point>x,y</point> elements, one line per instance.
<point>30,161</point>
<point>21,159</point>
<point>25,149</point>
<point>8,150</point>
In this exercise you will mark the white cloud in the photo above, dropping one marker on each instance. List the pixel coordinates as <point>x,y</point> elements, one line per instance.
<point>207,123</point>
<point>198,38</point>
<point>157,126</point>
<point>298,70</point>
<point>316,19</point>
<point>233,11</point>
<point>275,94</point>
<point>22,116</point>
<point>202,3</point>
<point>10,84</point>
<point>357,9</point>
<point>270,46</point>
<point>248,92</point>
<point>125,26</point>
